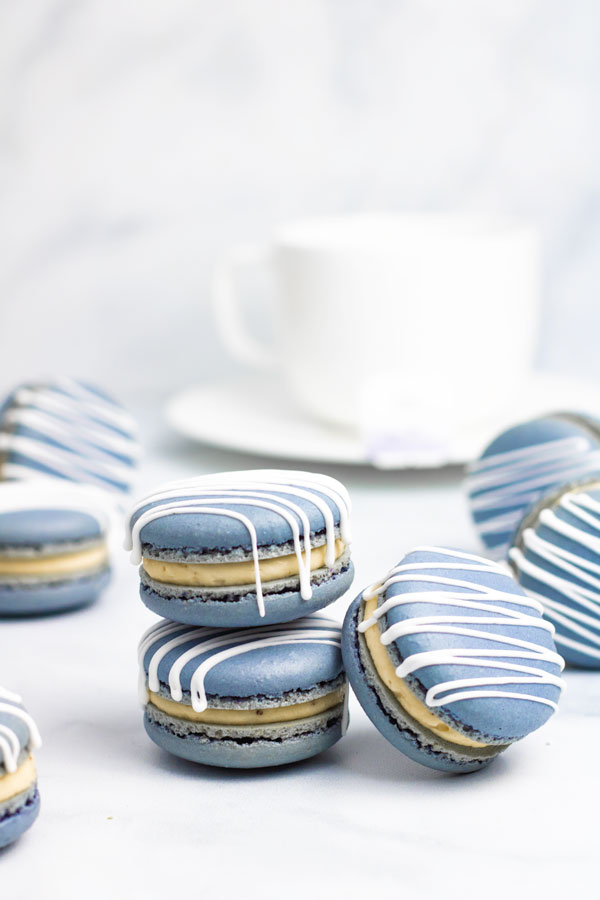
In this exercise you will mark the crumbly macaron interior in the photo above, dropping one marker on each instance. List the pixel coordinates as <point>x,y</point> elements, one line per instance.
<point>258,716</point>
<point>15,783</point>
<point>73,562</point>
<point>409,702</point>
<point>225,574</point>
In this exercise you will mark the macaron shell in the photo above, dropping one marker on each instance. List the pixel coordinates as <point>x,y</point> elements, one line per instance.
<point>264,669</point>
<point>39,598</point>
<point>208,533</point>
<point>243,612</point>
<point>13,825</point>
<point>38,527</point>
<point>553,427</point>
<point>498,719</point>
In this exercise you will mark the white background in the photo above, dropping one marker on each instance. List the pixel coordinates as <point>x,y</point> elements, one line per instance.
<point>139,140</point>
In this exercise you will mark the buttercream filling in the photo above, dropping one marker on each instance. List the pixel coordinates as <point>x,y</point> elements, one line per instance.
<point>227,574</point>
<point>61,564</point>
<point>404,695</point>
<point>258,716</point>
<point>16,782</point>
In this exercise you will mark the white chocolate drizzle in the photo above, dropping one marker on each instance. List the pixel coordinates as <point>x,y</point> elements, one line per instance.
<point>97,439</point>
<point>506,483</point>
<point>579,612</point>
<point>470,597</point>
<point>213,494</point>
<point>10,746</point>
<point>310,630</point>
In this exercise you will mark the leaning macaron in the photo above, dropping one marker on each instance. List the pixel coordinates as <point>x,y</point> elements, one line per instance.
<point>242,548</point>
<point>524,463</point>
<point>53,546</point>
<point>244,698</point>
<point>450,659</point>
<point>556,558</point>
<point>19,797</point>
<point>69,430</point>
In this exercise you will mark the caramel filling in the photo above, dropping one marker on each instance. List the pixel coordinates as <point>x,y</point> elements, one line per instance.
<point>231,574</point>
<point>403,694</point>
<point>61,564</point>
<point>16,782</point>
<point>262,716</point>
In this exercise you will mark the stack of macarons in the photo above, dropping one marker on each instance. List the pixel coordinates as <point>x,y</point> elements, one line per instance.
<point>243,671</point>
<point>447,655</point>
<point>535,500</point>
<point>67,455</point>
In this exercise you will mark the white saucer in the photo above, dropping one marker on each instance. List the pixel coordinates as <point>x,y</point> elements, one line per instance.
<point>256,415</point>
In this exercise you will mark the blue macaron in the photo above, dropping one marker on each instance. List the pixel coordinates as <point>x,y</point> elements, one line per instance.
<point>53,546</point>
<point>244,698</point>
<point>556,558</point>
<point>68,430</point>
<point>522,464</point>
<point>19,797</point>
<point>450,659</point>
<point>242,549</point>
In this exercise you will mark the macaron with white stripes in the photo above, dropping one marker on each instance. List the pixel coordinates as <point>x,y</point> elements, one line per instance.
<point>19,796</point>
<point>524,463</point>
<point>69,430</point>
<point>53,546</point>
<point>241,549</point>
<point>450,659</point>
<point>244,698</point>
<point>556,558</point>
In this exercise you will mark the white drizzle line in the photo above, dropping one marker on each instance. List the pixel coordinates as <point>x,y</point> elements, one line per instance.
<point>82,422</point>
<point>9,741</point>
<point>517,477</point>
<point>251,488</point>
<point>302,631</point>
<point>90,437</point>
<point>580,614</point>
<point>73,397</point>
<point>466,595</point>
<point>72,464</point>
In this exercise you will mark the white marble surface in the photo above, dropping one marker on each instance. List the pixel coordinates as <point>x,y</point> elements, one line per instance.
<point>120,818</point>
<point>138,140</point>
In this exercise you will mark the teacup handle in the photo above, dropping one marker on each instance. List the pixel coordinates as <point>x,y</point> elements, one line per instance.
<point>228,317</point>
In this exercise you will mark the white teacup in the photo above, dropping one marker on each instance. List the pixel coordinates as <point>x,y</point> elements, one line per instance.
<point>442,305</point>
